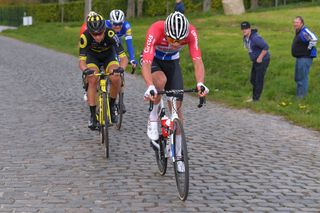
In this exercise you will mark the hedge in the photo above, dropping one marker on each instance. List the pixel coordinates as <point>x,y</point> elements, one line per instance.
<point>73,11</point>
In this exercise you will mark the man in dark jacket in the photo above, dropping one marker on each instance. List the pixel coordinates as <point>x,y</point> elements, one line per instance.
<point>179,6</point>
<point>259,54</point>
<point>304,50</point>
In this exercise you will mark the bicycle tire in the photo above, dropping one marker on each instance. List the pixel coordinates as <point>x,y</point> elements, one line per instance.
<point>162,160</point>
<point>182,178</point>
<point>105,126</point>
<point>120,110</point>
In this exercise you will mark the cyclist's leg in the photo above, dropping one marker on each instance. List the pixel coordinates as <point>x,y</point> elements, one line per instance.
<point>112,63</point>
<point>175,82</point>
<point>159,80</point>
<point>92,90</point>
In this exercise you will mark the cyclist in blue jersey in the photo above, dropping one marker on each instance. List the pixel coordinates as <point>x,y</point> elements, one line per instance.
<point>122,29</point>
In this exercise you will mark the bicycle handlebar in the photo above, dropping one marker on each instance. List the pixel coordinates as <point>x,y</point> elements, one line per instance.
<point>202,100</point>
<point>87,72</point>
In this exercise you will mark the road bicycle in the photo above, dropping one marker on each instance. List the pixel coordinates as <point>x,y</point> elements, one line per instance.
<point>167,146</point>
<point>103,110</point>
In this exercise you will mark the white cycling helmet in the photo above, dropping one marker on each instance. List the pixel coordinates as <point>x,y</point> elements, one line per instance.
<point>176,26</point>
<point>117,16</point>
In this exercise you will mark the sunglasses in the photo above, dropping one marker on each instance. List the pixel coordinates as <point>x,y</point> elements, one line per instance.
<point>171,40</point>
<point>117,24</point>
<point>97,34</point>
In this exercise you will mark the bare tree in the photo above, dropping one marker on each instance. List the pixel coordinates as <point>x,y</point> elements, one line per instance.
<point>131,9</point>
<point>61,3</point>
<point>87,8</point>
<point>140,8</point>
<point>254,4</point>
<point>206,5</point>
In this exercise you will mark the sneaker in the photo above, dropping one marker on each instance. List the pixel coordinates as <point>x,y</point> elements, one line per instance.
<point>180,167</point>
<point>93,123</point>
<point>85,97</point>
<point>114,116</point>
<point>152,130</point>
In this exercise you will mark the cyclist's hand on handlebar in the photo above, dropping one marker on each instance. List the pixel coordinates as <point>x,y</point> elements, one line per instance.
<point>202,89</point>
<point>118,71</point>
<point>151,93</point>
<point>88,71</point>
<point>133,63</point>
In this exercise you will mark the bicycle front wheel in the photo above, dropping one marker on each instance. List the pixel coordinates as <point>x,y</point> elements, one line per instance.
<point>160,156</point>
<point>181,163</point>
<point>105,133</point>
<point>120,110</point>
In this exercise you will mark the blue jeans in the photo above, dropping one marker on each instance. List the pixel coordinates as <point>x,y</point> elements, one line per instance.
<point>301,75</point>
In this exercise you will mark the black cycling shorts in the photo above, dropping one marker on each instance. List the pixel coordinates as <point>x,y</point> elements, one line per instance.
<point>172,70</point>
<point>107,58</point>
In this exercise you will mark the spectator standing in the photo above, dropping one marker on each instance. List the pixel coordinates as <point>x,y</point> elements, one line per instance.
<point>179,6</point>
<point>304,50</point>
<point>259,54</point>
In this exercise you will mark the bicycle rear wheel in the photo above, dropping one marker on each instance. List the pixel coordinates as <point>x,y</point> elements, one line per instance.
<point>119,110</point>
<point>160,156</point>
<point>104,132</point>
<point>181,157</point>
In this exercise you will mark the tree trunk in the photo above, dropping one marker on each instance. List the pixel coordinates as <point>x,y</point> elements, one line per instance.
<point>140,8</point>
<point>233,7</point>
<point>131,9</point>
<point>206,5</point>
<point>254,4</point>
<point>87,8</point>
<point>61,3</point>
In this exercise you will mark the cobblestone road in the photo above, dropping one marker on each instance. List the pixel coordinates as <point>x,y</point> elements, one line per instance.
<point>50,162</point>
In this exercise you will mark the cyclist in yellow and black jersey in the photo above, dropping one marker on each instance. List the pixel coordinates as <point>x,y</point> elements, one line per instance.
<point>99,46</point>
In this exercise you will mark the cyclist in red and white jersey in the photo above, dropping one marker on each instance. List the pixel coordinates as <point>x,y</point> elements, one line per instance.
<point>160,62</point>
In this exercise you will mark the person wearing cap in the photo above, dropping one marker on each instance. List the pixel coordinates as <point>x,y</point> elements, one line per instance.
<point>259,54</point>
<point>304,50</point>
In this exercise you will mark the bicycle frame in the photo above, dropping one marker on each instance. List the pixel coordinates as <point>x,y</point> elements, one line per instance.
<point>173,115</point>
<point>103,88</point>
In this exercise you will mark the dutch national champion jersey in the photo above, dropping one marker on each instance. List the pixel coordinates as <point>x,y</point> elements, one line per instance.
<point>157,46</point>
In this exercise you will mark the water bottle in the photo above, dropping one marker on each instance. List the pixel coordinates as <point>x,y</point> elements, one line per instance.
<point>164,126</point>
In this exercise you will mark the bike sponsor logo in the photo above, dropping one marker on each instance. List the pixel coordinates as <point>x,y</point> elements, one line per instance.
<point>149,43</point>
<point>194,33</point>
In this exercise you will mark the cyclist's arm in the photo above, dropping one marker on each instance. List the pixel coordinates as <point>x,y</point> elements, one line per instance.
<point>198,70</point>
<point>123,60</point>
<point>82,65</point>
<point>147,57</point>
<point>83,48</point>
<point>195,54</point>
<point>146,73</point>
<point>128,38</point>
<point>115,41</point>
